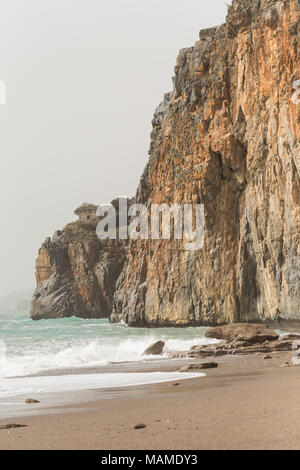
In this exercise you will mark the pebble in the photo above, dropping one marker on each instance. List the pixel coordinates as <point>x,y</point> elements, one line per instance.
<point>140,426</point>
<point>12,426</point>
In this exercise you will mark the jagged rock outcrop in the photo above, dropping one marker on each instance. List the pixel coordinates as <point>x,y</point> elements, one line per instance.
<point>249,333</point>
<point>228,348</point>
<point>76,272</point>
<point>227,137</point>
<point>242,340</point>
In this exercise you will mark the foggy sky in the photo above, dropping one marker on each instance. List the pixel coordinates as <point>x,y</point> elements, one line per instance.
<point>83,79</point>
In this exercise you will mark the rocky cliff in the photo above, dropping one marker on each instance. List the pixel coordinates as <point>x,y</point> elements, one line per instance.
<point>228,137</point>
<point>76,272</point>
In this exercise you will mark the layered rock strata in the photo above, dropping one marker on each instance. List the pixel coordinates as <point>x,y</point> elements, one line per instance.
<point>227,136</point>
<point>76,272</point>
<point>243,340</point>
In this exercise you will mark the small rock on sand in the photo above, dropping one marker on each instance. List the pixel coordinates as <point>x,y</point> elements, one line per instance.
<point>12,426</point>
<point>31,400</point>
<point>196,367</point>
<point>140,426</point>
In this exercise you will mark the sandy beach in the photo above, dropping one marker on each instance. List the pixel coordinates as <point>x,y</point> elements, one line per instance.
<point>249,402</point>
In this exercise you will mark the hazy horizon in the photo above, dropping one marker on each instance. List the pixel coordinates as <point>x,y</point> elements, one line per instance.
<point>83,79</point>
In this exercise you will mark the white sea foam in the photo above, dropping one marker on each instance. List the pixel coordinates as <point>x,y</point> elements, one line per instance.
<point>81,354</point>
<point>72,344</point>
<point>67,383</point>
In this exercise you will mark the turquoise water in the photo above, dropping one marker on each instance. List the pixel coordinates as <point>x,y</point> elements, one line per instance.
<point>30,347</point>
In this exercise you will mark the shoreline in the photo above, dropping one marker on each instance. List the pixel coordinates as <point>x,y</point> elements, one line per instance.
<point>13,406</point>
<point>247,402</point>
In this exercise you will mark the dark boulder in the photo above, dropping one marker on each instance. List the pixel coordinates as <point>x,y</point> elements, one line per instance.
<point>155,349</point>
<point>246,332</point>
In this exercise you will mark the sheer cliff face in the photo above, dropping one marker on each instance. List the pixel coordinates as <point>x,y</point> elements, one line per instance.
<point>228,137</point>
<point>76,274</point>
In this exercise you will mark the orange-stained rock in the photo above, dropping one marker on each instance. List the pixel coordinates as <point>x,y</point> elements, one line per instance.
<point>76,273</point>
<point>228,135</point>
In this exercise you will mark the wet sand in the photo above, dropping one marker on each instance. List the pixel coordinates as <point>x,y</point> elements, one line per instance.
<point>247,403</point>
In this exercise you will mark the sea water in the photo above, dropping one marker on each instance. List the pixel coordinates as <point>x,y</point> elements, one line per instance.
<point>57,353</point>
